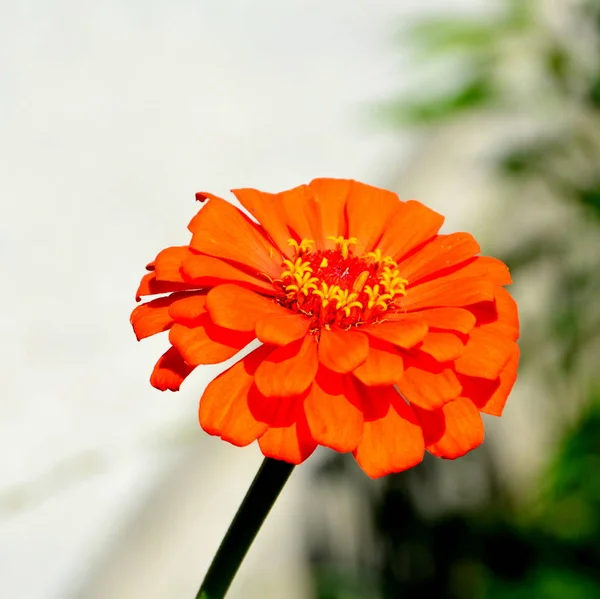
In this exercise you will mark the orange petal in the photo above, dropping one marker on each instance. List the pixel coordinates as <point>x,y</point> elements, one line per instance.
<point>331,194</point>
<point>442,346</point>
<point>369,212</point>
<point>151,318</point>
<point>444,251</point>
<point>446,292</point>
<point>406,333</point>
<point>392,439</point>
<point>288,370</point>
<point>227,407</point>
<point>342,351</point>
<point>485,267</point>
<point>383,366</point>
<point>237,308</point>
<point>282,329</point>
<point>267,209</point>
<point>485,354</point>
<point>428,384</point>
<point>455,319</point>
<point>453,430</point>
<point>167,265</point>
<point>333,412</point>
<point>490,396</point>
<point>170,371</point>
<point>188,310</point>
<point>207,271</point>
<point>412,225</point>
<point>207,343</point>
<point>289,438</point>
<point>303,214</point>
<point>222,231</point>
<point>150,286</point>
<point>502,316</point>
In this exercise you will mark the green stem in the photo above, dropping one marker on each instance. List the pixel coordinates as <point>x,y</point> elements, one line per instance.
<point>255,507</point>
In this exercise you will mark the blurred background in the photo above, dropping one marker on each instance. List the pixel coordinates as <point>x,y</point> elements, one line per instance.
<point>114,114</point>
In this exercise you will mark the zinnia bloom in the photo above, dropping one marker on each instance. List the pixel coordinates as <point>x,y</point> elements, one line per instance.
<point>378,336</point>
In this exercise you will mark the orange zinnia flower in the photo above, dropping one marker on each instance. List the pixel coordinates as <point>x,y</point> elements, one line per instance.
<point>378,336</point>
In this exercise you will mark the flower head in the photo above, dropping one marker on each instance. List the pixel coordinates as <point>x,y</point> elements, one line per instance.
<point>379,336</point>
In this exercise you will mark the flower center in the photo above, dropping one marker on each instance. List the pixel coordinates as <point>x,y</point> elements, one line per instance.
<point>336,287</point>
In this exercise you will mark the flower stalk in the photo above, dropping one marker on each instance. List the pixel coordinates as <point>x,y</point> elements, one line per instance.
<point>260,498</point>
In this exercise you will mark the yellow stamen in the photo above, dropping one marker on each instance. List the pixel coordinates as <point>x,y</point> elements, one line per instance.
<point>343,244</point>
<point>303,247</point>
<point>327,293</point>
<point>360,281</point>
<point>324,263</point>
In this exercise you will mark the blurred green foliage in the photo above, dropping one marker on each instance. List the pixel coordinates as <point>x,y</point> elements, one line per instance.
<point>526,63</point>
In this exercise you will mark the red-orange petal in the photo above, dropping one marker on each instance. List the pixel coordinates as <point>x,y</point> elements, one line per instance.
<point>504,319</point>
<point>493,401</point>
<point>448,292</point>
<point>454,319</point>
<point>268,211</point>
<point>453,430</point>
<point>442,346</point>
<point>405,333</point>
<point>303,214</point>
<point>188,309</point>
<point>369,210</point>
<point>288,438</point>
<point>342,351</point>
<point>237,308</point>
<point>443,251</point>
<point>228,406</point>
<point>208,271</point>
<point>485,354</point>
<point>333,411</point>
<point>383,366</point>
<point>150,286</point>
<point>167,265</point>
<point>428,384</point>
<point>332,194</point>
<point>392,439</point>
<point>412,225</point>
<point>170,371</point>
<point>288,370</point>
<point>486,267</point>
<point>221,230</point>
<point>207,343</point>
<point>282,329</point>
<point>151,318</point>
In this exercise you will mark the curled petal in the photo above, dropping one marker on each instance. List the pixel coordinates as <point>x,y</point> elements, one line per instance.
<point>231,407</point>
<point>170,371</point>
<point>392,439</point>
<point>288,437</point>
<point>452,430</point>
<point>207,343</point>
<point>288,370</point>
<point>333,411</point>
